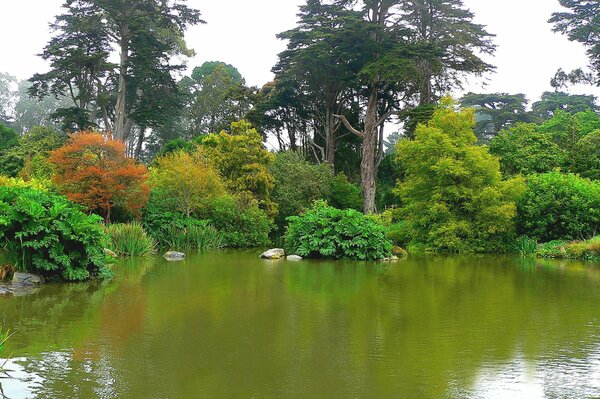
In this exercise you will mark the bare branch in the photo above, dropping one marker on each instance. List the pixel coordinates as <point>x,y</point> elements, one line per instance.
<point>349,126</point>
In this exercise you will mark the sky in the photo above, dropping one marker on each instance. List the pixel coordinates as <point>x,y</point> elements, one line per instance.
<point>242,33</point>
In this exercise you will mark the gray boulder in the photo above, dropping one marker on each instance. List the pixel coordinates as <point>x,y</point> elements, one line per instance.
<point>26,279</point>
<point>274,253</point>
<point>294,257</point>
<point>174,256</point>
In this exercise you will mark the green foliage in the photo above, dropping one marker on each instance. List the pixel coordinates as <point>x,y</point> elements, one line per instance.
<point>197,235</point>
<point>130,239</point>
<point>453,196</point>
<point>400,233</point>
<point>324,231</point>
<point>298,183</point>
<point>344,194</point>
<point>523,149</point>
<point>586,157</point>
<point>525,246</point>
<point>559,206</point>
<point>584,250</point>
<point>553,102</point>
<point>49,235</point>
<point>241,222</point>
<point>496,111</point>
<point>244,162</point>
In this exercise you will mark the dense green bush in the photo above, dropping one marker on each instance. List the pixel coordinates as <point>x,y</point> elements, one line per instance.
<point>557,206</point>
<point>453,197</point>
<point>241,222</point>
<point>49,235</point>
<point>130,239</point>
<point>344,194</point>
<point>324,231</point>
<point>298,183</point>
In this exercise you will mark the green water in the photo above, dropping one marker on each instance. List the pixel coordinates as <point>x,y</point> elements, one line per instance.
<point>234,326</point>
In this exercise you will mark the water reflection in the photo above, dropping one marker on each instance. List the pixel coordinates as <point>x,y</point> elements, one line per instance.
<point>231,325</point>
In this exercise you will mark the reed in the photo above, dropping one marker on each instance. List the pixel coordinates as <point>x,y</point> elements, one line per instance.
<point>130,239</point>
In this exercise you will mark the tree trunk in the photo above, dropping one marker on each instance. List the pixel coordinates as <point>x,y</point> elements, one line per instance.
<point>120,107</point>
<point>140,143</point>
<point>330,139</point>
<point>368,172</point>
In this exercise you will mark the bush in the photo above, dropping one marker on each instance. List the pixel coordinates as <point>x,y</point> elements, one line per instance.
<point>185,183</point>
<point>93,171</point>
<point>584,250</point>
<point>453,196</point>
<point>344,194</point>
<point>298,183</point>
<point>558,206</point>
<point>324,231</point>
<point>130,240</point>
<point>48,235</point>
<point>241,222</point>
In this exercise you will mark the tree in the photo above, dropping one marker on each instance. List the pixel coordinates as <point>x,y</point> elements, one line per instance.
<point>92,170</point>
<point>523,149</point>
<point>496,111</point>
<point>31,111</point>
<point>317,68</point>
<point>186,181</point>
<point>140,88</point>
<point>7,97</point>
<point>552,102</point>
<point>453,197</point>
<point>580,24</point>
<point>425,54</point>
<point>243,161</point>
<point>586,157</point>
<point>218,97</point>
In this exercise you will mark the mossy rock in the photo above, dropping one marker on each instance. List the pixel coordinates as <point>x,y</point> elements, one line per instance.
<point>399,252</point>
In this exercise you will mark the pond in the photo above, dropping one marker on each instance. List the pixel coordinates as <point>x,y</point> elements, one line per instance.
<point>230,325</point>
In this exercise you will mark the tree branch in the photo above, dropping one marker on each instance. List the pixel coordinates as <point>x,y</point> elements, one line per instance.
<point>349,126</point>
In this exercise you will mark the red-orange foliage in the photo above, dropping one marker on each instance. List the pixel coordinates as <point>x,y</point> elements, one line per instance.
<point>92,170</point>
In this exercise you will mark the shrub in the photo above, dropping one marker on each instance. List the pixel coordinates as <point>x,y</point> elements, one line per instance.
<point>324,231</point>
<point>244,162</point>
<point>400,233</point>
<point>584,250</point>
<point>298,183</point>
<point>241,222</point>
<point>130,239</point>
<point>453,196</point>
<point>344,194</point>
<point>185,183</point>
<point>93,171</point>
<point>49,235</point>
<point>558,206</point>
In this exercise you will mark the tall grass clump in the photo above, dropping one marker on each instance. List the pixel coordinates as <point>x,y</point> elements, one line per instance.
<point>199,236</point>
<point>525,246</point>
<point>130,239</point>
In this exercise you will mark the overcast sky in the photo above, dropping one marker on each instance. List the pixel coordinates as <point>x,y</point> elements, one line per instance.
<point>242,33</point>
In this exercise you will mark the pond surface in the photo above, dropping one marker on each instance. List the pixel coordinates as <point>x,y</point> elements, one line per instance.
<point>233,326</point>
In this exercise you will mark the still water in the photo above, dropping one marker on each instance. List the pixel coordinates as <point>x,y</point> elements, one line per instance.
<point>230,325</point>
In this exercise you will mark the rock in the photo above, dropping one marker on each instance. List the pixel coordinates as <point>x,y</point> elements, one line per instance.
<point>26,279</point>
<point>294,257</point>
<point>399,252</point>
<point>174,256</point>
<point>274,253</point>
<point>110,253</point>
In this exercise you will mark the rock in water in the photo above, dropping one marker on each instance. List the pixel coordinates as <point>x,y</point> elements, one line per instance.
<point>110,253</point>
<point>274,253</point>
<point>26,279</point>
<point>174,256</point>
<point>294,257</point>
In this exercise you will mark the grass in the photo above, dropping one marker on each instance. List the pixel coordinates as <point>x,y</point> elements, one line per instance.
<point>525,246</point>
<point>130,239</point>
<point>196,237</point>
<point>584,250</point>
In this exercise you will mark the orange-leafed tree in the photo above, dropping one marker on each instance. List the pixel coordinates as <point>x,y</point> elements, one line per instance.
<point>93,170</point>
